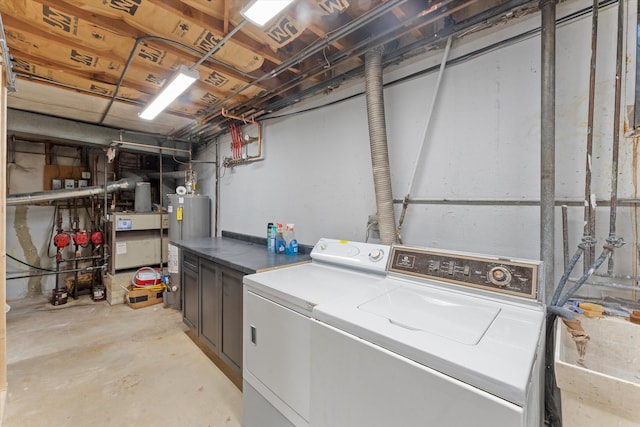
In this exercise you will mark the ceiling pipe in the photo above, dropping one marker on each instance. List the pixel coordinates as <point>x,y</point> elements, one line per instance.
<point>47,196</point>
<point>379,148</point>
<point>442,9</point>
<point>315,48</point>
<point>380,38</point>
<point>456,30</point>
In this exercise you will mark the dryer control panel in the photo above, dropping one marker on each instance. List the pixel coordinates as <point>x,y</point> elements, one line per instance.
<point>502,275</point>
<point>369,257</point>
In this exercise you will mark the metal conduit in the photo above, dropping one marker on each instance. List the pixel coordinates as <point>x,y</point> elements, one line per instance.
<point>161,212</point>
<point>105,208</point>
<point>547,197</point>
<point>425,133</point>
<point>496,202</point>
<point>379,149</point>
<point>589,198</point>
<point>613,238</point>
<point>547,143</point>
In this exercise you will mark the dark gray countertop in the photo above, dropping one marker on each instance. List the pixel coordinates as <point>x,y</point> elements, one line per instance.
<point>239,254</point>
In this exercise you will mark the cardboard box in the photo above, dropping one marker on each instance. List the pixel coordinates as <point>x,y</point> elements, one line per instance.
<point>141,297</point>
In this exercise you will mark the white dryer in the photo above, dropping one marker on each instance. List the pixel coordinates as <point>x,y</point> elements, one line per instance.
<point>277,306</point>
<point>445,339</point>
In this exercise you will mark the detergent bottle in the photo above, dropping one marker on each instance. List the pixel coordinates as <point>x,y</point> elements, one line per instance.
<point>291,243</point>
<point>280,243</point>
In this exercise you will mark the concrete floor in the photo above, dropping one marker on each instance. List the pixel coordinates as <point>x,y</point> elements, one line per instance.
<point>92,364</point>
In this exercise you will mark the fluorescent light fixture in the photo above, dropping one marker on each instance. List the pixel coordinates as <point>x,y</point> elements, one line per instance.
<point>261,11</point>
<point>182,80</point>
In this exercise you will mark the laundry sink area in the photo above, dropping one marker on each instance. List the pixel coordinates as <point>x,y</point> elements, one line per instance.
<point>604,387</point>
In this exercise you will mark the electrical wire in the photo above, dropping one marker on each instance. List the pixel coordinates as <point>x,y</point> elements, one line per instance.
<point>52,272</point>
<point>29,265</point>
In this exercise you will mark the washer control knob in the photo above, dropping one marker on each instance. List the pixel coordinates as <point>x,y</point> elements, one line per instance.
<point>500,276</point>
<point>376,255</point>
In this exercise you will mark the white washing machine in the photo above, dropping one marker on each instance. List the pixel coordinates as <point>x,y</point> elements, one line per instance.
<point>277,307</point>
<point>445,339</point>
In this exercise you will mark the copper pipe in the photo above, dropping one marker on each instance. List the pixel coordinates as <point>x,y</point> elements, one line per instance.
<point>225,113</point>
<point>258,139</point>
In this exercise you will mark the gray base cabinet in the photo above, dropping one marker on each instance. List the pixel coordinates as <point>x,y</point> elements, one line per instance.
<point>212,306</point>
<point>231,349</point>
<point>190,291</point>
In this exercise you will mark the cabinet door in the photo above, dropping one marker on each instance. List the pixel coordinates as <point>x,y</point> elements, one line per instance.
<point>232,316</point>
<point>190,294</point>
<point>210,304</point>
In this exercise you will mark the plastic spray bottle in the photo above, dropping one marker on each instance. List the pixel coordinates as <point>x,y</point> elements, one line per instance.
<point>280,243</point>
<point>291,243</point>
<point>269,241</point>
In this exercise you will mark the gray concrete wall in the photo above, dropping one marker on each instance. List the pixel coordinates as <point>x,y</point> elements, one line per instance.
<point>483,145</point>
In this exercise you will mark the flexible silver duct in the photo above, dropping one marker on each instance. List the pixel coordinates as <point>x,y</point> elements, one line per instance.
<point>46,196</point>
<point>379,149</point>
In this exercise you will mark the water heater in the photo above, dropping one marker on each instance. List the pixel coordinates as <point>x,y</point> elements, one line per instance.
<point>189,218</point>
